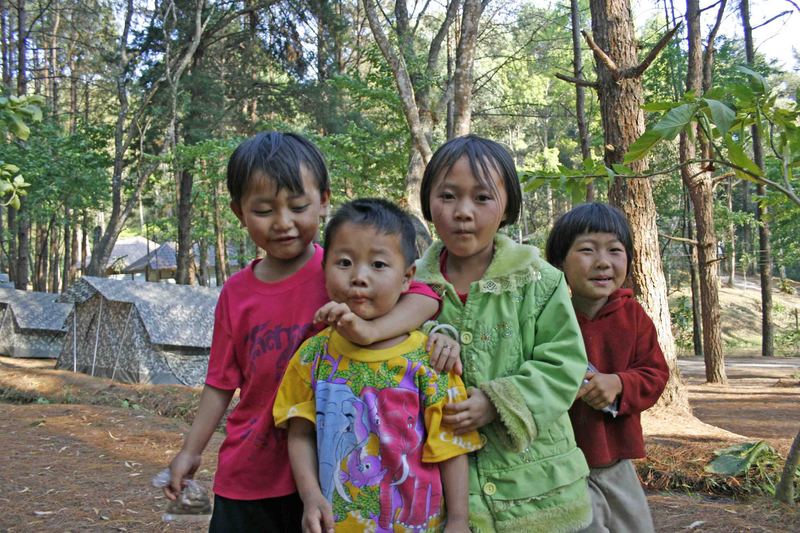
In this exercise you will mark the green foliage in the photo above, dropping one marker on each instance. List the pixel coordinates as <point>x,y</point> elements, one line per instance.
<point>757,462</point>
<point>15,114</point>
<point>680,312</point>
<point>725,115</point>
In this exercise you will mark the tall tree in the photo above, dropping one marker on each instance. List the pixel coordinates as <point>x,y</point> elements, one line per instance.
<point>414,72</point>
<point>699,181</point>
<point>619,88</point>
<point>762,215</point>
<point>580,96</point>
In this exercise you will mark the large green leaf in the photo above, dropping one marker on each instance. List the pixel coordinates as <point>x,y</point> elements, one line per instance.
<point>642,145</point>
<point>757,81</point>
<point>722,115</point>
<point>737,156</point>
<point>673,122</point>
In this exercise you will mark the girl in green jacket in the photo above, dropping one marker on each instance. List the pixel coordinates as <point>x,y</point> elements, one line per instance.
<point>521,347</point>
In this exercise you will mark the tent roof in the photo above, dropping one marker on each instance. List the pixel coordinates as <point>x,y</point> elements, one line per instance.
<point>36,310</point>
<point>176,315</point>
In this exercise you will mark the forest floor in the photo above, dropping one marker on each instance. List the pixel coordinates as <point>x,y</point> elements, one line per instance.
<point>78,453</point>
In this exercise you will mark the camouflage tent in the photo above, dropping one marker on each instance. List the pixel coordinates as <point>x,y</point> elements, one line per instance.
<point>139,332</point>
<point>31,323</point>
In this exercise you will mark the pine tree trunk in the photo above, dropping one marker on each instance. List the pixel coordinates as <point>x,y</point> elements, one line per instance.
<point>697,328</point>
<point>68,249</point>
<point>623,122</point>
<point>731,240</point>
<point>580,92</point>
<point>762,216</point>
<point>185,253</point>
<point>221,267</point>
<point>701,189</point>
<point>55,272</point>
<point>785,489</point>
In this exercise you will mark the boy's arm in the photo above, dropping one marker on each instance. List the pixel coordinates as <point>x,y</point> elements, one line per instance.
<point>213,403</point>
<point>455,483</point>
<point>411,311</point>
<point>317,512</point>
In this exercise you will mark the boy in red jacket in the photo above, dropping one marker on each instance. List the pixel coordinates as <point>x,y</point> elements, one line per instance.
<point>592,244</point>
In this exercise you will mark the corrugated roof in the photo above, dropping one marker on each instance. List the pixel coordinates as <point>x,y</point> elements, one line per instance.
<point>177,315</point>
<point>36,310</point>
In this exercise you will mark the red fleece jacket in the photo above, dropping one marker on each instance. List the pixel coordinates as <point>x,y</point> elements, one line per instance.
<point>621,339</point>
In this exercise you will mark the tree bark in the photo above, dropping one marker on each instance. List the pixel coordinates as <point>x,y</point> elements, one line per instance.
<point>731,259</point>
<point>221,261</point>
<point>623,123</point>
<point>762,214</point>
<point>185,252</point>
<point>413,86</point>
<point>697,328</point>
<point>700,183</point>
<point>580,91</point>
<point>465,59</point>
<point>69,251</point>
<point>785,489</point>
<point>21,270</point>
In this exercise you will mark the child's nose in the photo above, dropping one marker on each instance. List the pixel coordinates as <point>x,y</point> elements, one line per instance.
<point>359,277</point>
<point>463,210</point>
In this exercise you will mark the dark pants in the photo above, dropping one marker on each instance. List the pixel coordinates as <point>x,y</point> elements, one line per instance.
<point>270,515</point>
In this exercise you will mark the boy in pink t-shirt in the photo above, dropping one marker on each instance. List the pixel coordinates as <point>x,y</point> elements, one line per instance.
<point>279,190</point>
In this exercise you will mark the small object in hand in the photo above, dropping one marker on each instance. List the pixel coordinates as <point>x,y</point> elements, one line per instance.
<point>612,409</point>
<point>193,501</point>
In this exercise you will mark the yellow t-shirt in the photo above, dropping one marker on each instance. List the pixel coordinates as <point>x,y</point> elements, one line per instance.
<point>378,418</point>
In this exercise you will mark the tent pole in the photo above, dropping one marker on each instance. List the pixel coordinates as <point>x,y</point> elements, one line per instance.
<point>97,336</point>
<point>122,338</point>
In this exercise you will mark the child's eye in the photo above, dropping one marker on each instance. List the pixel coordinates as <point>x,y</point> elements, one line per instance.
<point>484,198</point>
<point>300,208</point>
<point>263,212</point>
<point>447,195</point>
<point>379,264</point>
<point>343,262</point>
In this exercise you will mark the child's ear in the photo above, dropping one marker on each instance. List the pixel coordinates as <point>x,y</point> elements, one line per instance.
<point>237,210</point>
<point>408,276</point>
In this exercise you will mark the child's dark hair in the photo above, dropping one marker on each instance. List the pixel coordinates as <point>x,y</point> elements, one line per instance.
<point>278,156</point>
<point>484,157</point>
<point>595,217</point>
<point>384,216</point>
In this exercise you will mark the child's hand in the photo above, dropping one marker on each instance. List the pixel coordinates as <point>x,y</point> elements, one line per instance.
<point>349,325</point>
<point>445,353</point>
<point>471,414</point>
<point>183,466</point>
<point>317,515</point>
<point>601,390</point>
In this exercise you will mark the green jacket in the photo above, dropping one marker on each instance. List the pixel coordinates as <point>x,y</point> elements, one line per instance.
<point>521,345</point>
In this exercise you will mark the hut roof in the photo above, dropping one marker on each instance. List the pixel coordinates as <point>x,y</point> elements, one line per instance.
<point>128,250</point>
<point>162,258</point>
<point>165,257</point>
<point>36,310</point>
<point>176,315</point>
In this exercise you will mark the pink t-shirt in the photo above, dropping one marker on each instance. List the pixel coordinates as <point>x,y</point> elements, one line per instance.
<point>257,328</point>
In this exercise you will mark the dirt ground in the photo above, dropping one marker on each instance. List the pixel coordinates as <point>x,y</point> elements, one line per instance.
<point>78,452</point>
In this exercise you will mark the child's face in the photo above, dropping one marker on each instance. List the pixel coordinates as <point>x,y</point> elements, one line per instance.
<point>281,222</point>
<point>366,270</point>
<point>595,266</point>
<point>466,213</point>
